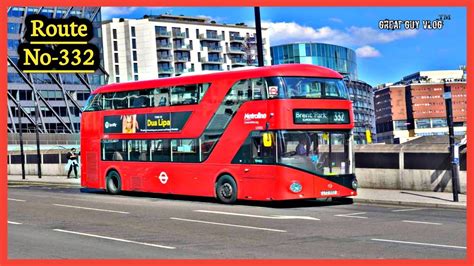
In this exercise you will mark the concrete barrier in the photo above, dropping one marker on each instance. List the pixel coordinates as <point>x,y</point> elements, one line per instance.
<point>420,167</point>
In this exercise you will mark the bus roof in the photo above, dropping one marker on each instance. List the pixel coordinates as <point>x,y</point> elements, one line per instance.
<point>294,70</point>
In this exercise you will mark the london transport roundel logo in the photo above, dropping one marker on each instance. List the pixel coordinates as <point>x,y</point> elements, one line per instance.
<point>163,178</point>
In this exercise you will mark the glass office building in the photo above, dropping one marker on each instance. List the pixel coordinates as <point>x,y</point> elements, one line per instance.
<point>339,58</point>
<point>58,97</point>
<point>343,60</point>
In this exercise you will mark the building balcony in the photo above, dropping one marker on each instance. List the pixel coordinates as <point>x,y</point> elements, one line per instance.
<point>179,35</point>
<point>183,47</point>
<point>238,61</point>
<point>181,59</point>
<point>168,70</point>
<point>165,58</point>
<point>163,46</point>
<point>215,49</point>
<point>184,70</point>
<point>163,34</point>
<point>210,37</point>
<point>212,60</point>
<point>236,50</point>
<point>253,40</point>
<point>237,39</point>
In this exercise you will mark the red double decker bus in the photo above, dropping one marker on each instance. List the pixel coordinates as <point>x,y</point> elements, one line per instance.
<point>269,133</point>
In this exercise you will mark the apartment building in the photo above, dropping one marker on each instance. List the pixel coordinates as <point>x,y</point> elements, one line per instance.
<point>167,45</point>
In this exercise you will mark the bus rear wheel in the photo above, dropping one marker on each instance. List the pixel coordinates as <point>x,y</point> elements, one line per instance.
<point>113,183</point>
<point>226,189</point>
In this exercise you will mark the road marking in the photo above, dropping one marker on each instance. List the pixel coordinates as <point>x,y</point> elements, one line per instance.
<point>20,200</point>
<point>409,209</point>
<point>276,217</point>
<point>352,215</point>
<point>115,239</point>
<point>420,222</point>
<point>10,222</point>
<point>231,225</point>
<point>418,243</point>
<point>92,209</point>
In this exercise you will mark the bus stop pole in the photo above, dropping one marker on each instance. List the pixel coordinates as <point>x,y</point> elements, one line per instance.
<point>454,160</point>
<point>22,152</point>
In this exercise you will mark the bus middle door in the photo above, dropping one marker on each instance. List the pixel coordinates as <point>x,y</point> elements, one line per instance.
<point>258,176</point>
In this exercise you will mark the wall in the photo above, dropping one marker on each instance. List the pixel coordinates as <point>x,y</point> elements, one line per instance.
<point>420,167</point>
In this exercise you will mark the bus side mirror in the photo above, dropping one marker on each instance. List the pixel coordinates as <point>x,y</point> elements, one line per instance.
<point>267,140</point>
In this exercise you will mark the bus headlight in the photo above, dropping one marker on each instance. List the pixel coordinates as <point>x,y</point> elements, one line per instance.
<point>355,185</point>
<point>296,187</point>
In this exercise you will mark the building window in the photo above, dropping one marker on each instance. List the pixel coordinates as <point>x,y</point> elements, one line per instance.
<point>134,44</point>
<point>187,33</point>
<point>423,123</point>
<point>134,55</point>
<point>117,70</point>
<point>14,28</point>
<point>135,67</point>
<point>116,60</point>
<point>16,12</point>
<point>400,125</point>
<point>115,46</point>
<point>117,79</point>
<point>439,122</point>
<point>197,33</point>
<point>135,77</point>
<point>133,31</point>
<point>114,34</point>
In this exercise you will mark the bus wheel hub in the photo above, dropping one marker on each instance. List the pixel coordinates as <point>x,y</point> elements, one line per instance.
<point>226,190</point>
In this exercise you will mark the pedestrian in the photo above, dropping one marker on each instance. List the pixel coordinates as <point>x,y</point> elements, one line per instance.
<point>72,163</point>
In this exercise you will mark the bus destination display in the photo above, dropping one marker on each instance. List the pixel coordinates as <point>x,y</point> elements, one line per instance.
<point>314,116</point>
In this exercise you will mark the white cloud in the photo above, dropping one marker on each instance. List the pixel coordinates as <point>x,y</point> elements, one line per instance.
<point>288,32</point>
<point>367,51</point>
<point>337,20</point>
<point>366,35</point>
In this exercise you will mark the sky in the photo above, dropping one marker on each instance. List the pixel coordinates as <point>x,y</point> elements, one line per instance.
<point>383,55</point>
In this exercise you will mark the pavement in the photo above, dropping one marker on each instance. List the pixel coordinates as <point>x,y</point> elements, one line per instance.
<point>365,195</point>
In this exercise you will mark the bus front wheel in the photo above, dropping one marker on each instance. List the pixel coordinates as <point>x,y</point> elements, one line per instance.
<point>113,183</point>
<point>226,189</point>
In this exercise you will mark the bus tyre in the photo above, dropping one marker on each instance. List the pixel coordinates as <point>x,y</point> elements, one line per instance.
<point>226,189</point>
<point>113,183</point>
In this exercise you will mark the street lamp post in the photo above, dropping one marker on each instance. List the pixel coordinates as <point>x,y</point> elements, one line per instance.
<point>454,158</point>
<point>258,29</point>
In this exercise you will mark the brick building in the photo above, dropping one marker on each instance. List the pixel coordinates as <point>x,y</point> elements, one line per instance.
<point>417,108</point>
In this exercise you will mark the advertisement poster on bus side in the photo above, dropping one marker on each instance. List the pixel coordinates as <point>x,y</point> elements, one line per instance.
<point>144,123</point>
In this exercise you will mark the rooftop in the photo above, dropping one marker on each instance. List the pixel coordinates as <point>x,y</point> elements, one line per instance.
<point>184,20</point>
